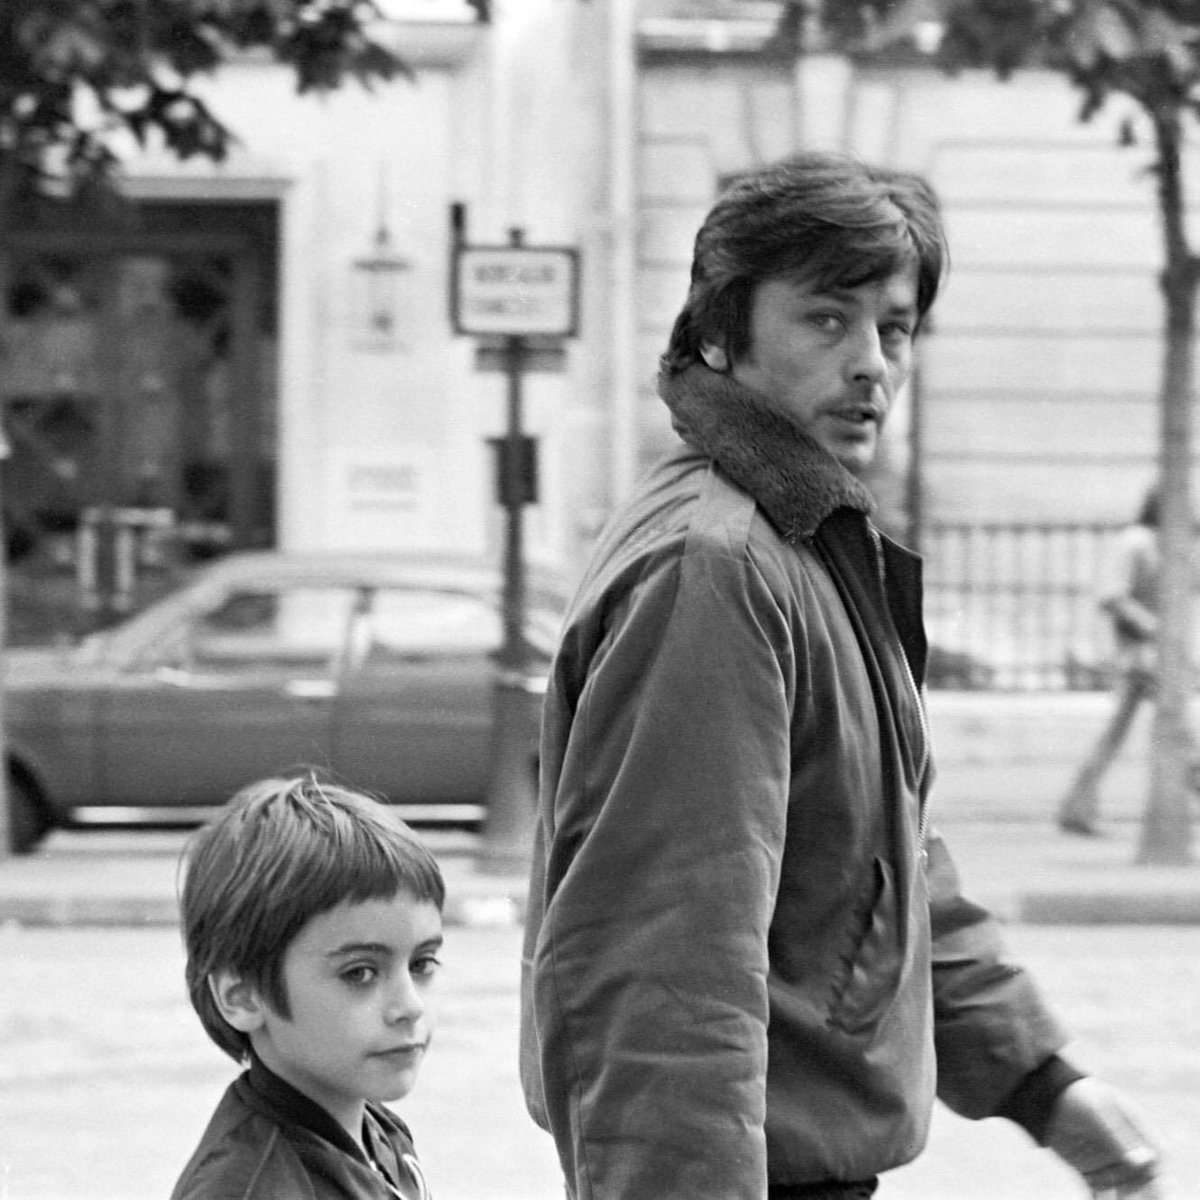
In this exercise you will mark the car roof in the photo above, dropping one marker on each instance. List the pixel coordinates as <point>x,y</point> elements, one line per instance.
<point>451,572</point>
<point>367,566</point>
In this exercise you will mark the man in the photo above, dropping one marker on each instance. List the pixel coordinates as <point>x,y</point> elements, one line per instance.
<point>747,964</point>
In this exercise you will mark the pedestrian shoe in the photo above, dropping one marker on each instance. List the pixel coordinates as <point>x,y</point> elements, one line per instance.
<point>1078,826</point>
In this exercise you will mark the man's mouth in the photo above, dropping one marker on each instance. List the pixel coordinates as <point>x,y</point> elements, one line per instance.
<point>858,414</point>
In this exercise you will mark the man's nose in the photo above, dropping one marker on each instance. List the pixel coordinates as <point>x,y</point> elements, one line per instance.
<point>867,362</point>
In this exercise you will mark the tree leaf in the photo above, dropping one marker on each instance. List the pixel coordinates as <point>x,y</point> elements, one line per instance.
<point>49,49</point>
<point>1113,33</point>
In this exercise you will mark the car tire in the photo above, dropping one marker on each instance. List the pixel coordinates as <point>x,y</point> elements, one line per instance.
<point>27,823</point>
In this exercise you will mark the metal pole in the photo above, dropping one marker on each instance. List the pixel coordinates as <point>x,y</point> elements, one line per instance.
<point>509,820</point>
<point>6,815</point>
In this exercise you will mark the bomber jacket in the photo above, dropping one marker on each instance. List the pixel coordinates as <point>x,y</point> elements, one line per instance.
<point>268,1141</point>
<point>747,960</point>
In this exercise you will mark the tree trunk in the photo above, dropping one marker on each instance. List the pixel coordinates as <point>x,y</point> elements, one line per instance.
<point>1166,831</point>
<point>7,191</point>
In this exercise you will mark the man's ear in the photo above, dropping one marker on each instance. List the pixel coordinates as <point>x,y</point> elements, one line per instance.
<point>237,1000</point>
<point>715,357</point>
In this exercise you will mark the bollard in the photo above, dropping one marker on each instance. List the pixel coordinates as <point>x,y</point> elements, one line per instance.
<point>507,843</point>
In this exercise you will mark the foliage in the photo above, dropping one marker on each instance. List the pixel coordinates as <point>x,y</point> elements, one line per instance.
<point>1145,49</point>
<point>845,24</point>
<point>73,73</point>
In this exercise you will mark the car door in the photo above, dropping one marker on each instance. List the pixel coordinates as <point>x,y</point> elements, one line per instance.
<point>414,713</point>
<point>238,691</point>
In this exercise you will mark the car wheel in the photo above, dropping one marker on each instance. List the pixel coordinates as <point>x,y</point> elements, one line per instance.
<point>27,822</point>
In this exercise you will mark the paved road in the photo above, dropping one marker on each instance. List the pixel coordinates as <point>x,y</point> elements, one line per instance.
<point>106,1077</point>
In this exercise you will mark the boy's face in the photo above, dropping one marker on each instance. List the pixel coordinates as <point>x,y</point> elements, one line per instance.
<point>834,360</point>
<point>358,980</point>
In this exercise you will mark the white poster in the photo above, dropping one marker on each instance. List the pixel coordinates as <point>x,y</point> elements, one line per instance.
<point>382,498</point>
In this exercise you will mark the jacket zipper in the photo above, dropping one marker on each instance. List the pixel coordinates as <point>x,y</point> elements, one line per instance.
<point>923,826</point>
<point>918,699</point>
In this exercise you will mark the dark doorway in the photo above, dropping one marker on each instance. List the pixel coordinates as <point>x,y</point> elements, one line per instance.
<point>139,404</point>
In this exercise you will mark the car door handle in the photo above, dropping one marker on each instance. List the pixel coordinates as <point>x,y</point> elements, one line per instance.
<point>311,689</point>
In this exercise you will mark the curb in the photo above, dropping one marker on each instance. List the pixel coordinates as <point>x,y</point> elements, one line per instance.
<point>1109,908</point>
<point>57,912</point>
<point>503,907</point>
<point>1022,872</point>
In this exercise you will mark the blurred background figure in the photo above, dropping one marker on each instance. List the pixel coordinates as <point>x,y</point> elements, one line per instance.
<point>1130,598</point>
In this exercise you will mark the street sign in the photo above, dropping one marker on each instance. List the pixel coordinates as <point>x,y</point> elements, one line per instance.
<point>550,358</point>
<point>515,291</point>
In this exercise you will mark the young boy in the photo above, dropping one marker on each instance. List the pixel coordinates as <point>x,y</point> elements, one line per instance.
<point>312,918</point>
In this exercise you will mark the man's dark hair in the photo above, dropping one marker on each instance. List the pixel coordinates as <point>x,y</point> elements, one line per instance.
<point>823,217</point>
<point>281,852</point>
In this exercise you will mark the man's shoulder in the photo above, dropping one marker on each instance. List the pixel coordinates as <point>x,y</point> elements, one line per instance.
<point>687,500</point>
<point>684,513</point>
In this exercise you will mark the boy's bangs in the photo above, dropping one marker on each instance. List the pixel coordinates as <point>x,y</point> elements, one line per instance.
<point>364,861</point>
<point>378,870</point>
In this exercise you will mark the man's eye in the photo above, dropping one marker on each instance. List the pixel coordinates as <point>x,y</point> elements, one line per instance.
<point>896,331</point>
<point>827,322</point>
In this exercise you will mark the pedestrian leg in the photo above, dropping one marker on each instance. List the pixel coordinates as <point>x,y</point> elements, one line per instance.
<point>1080,809</point>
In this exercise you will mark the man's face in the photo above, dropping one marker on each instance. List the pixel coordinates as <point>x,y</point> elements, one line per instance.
<point>833,360</point>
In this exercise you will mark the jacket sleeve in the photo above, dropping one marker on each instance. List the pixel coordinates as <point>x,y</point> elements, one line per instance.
<point>991,1027</point>
<point>650,971</point>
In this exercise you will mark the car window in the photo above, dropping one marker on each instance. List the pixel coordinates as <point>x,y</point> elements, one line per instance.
<point>407,623</point>
<point>296,628</point>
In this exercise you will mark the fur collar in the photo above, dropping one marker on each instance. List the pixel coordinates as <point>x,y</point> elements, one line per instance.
<point>764,451</point>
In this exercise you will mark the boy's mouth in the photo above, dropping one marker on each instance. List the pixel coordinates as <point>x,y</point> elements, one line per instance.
<point>406,1050</point>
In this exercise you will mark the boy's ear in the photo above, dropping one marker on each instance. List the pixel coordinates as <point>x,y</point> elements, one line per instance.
<point>238,1001</point>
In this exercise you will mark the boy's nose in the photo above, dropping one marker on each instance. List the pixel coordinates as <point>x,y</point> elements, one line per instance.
<point>404,1003</point>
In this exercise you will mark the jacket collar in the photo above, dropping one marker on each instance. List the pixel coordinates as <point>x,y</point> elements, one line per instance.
<point>764,451</point>
<point>295,1107</point>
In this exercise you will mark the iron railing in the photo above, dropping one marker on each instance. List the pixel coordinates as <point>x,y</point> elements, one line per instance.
<point>1014,606</point>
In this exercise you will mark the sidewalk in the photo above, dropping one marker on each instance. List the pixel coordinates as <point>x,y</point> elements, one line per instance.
<point>108,877</point>
<point>1023,870</point>
<point>1029,872</point>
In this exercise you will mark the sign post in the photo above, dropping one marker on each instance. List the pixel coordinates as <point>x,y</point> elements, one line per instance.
<point>523,300</point>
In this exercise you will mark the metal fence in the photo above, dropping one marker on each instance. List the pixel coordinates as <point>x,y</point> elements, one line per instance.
<point>1015,606</point>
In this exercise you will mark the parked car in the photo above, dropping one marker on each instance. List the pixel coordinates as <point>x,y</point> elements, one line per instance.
<point>376,669</point>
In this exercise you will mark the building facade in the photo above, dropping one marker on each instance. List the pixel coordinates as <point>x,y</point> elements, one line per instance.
<point>266,354</point>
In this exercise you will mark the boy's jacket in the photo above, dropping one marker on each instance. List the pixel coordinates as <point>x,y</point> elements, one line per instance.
<point>267,1141</point>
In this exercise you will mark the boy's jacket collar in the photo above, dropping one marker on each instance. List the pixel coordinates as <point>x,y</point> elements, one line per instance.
<point>764,451</point>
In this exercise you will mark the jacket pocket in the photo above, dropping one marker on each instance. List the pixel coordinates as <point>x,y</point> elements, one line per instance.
<point>868,971</point>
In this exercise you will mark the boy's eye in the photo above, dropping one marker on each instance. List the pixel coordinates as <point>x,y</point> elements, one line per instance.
<point>360,975</point>
<point>425,966</point>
